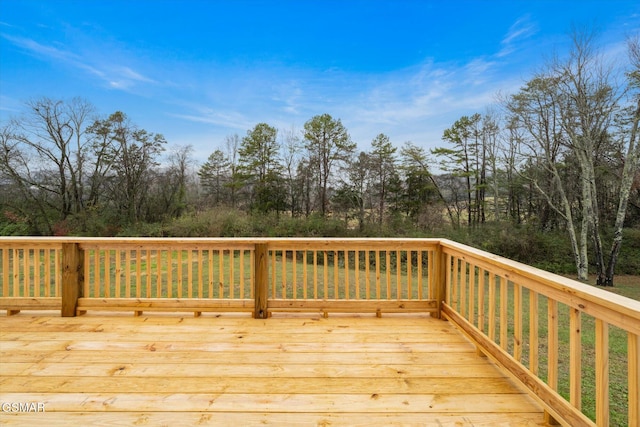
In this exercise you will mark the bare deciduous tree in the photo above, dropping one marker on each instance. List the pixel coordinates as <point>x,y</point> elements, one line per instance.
<point>567,112</point>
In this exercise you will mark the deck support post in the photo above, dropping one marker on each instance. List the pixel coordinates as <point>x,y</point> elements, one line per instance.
<point>72,278</point>
<point>440,278</point>
<point>261,282</point>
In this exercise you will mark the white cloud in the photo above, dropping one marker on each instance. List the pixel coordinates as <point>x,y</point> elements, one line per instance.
<point>227,119</point>
<point>133,75</point>
<point>9,104</point>
<point>116,76</point>
<point>416,103</point>
<point>521,29</point>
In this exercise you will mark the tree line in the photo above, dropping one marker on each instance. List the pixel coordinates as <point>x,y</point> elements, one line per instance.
<point>560,154</point>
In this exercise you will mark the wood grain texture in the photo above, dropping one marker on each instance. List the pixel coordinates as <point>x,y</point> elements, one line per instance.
<point>231,369</point>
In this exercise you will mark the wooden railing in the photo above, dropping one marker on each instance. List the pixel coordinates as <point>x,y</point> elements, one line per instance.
<point>498,304</point>
<point>30,270</point>
<point>516,314</point>
<point>255,275</point>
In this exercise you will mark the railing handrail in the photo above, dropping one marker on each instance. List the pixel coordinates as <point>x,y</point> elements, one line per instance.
<point>623,312</point>
<point>181,240</point>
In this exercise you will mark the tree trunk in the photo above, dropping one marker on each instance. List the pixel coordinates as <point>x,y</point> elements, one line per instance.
<point>628,174</point>
<point>591,221</point>
<point>583,254</point>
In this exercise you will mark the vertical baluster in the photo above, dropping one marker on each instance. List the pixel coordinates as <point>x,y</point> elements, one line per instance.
<point>326,276</point>
<point>533,332</point>
<point>170,287</point>
<point>481,292</point>
<point>54,272</point>
<point>127,273</point>
<point>221,273</point>
<point>552,356</point>
<point>463,288</point>
<point>471,309</point>
<point>552,337</point>
<point>336,271</point>
<point>16,273</point>
<point>504,302</point>
<point>409,275</point>
<point>315,274</point>
<point>189,273</point>
<point>294,274</point>
<point>210,267</point>
<point>47,272</point>
<point>58,274</point>
<point>575,360</point>
<point>118,272</point>
<point>367,272</point>
<point>346,274</point>
<point>273,273</point>
<point>26,276</point>
<point>602,373</point>
<point>356,267</point>
<point>17,257</point>
<point>147,253</point>
<point>633,377</point>
<point>398,276</point>
<point>37,265</point>
<point>241,273</point>
<point>431,277</point>
<point>455,283</point>
<point>378,279</point>
<point>138,273</point>
<point>517,322</point>
<point>200,273</point>
<point>304,274</point>
<point>159,272</point>
<point>232,279</point>
<point>284,273</point>
<point>86,266</point>
<point>5,272</point>
<point>96,274</point>
<point>253,278</point>
<point>492,306</point>
<point>107,274</point>
<point>420,278</point>
<point>388,272</point>
<point>180,281</point>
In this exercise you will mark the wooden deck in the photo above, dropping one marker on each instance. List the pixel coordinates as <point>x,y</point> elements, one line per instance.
<point>169,369</point>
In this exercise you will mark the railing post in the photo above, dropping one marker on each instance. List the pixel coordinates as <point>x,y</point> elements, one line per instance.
<point>261,281</point>
<point>72,278</point>
<point>440,277</point>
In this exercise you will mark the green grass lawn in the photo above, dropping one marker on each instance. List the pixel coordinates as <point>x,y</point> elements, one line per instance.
<point>188,274</point>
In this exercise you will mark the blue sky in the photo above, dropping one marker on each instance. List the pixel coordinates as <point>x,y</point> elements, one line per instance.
<point>197,70</point>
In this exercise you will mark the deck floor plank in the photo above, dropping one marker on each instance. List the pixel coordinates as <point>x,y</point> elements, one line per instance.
<point>103,369</point>
<point>65,419</point>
